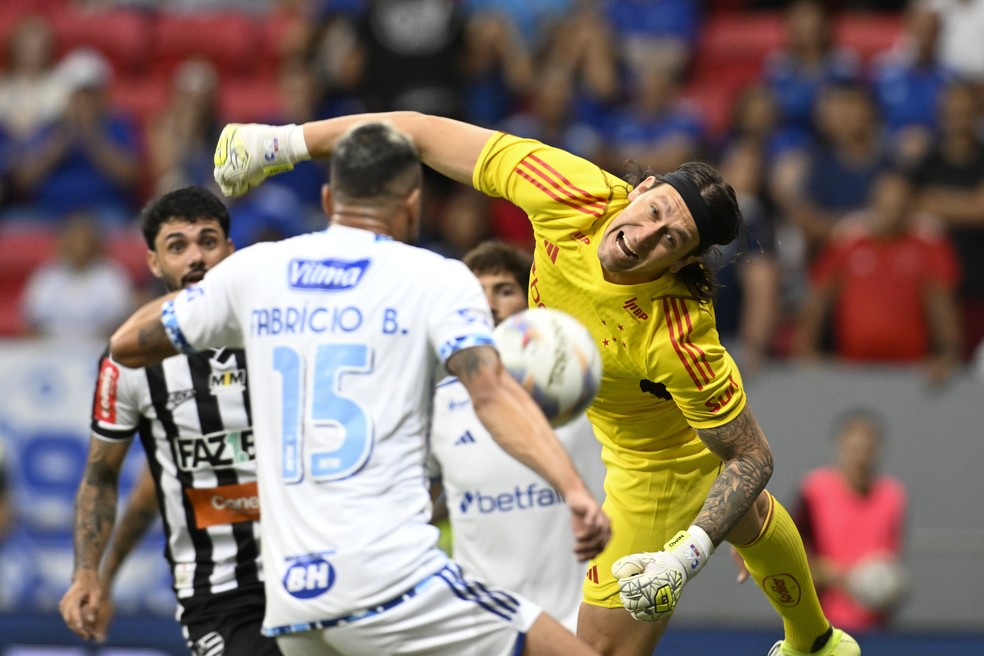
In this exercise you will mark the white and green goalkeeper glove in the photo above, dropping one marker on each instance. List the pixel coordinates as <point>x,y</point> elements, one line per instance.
<point>650,583</point>
<point>248,153</point>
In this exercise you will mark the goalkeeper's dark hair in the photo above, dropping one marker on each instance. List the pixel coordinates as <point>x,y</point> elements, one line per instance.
<point>190,204</point>
<point>726,225</point>
<point>492,257</point>
<point>374,164</point>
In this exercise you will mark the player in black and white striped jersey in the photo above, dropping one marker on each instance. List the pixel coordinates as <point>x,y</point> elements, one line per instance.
<point>194,421</point>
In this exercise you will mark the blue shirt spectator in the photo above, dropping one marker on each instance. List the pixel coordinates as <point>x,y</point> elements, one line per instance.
<point>808,63</point>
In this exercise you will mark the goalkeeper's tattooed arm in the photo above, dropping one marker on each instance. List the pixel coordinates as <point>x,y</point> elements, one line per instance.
<point>747,458</point>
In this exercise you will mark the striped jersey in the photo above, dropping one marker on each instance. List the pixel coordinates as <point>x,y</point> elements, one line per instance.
<point>346,333</point>
<point>193,416</point>
<point>665,371</point>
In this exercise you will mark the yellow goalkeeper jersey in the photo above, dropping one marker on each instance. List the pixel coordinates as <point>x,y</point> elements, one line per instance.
<point>665,371</point>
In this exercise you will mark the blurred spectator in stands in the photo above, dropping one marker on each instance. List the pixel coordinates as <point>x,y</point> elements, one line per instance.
<point>549,116</point>
<point>330,51</point>
<point>747,307</point>
<point>908,81</point>
<point>950,184</point>
<point>888,278</point>
<point>181,139</point>
<point>655,33</point>
<point>6,507</point>
<point>535,21</point>
<point>81,294</point>
<point>807,63</point>
<point>87,159</point>
<point>817,185</point>
<point>961,44</point>
<point>583,47</point>
<point>30,91</point>
<point>656,128</point>
<point>183,6</point>
<point>292,203</point>
<point>851,516</point>
<point>464,222</point>
<point>409,56</point>
<point>498,68</point>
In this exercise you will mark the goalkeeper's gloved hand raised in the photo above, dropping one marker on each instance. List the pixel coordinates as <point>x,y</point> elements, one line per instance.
<point>247,153</point>
<point>650,583</point>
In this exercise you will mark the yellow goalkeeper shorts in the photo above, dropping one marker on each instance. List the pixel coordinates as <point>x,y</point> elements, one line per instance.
<point>648,501</point>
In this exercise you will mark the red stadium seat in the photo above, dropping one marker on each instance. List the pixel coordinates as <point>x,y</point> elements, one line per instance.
<point>867,34</point>
<point>230,41</point>
<point>124,37</point>
<point>22,249</point>
<point>141,98</point>
<point>737,41</point>
<point>715,102</point>
<point>128,248</point>
<point>248,100</point>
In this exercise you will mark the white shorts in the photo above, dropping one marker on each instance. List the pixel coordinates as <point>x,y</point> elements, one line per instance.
<point>447,614</point>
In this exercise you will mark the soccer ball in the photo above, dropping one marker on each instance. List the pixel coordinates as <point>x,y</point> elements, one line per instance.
<point>554,358</point>
<point>878,583</point>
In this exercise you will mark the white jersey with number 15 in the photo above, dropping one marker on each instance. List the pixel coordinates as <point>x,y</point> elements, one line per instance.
<point>345,334</point>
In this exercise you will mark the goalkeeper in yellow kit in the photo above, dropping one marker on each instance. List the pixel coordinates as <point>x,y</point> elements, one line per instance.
<point>687,463</point>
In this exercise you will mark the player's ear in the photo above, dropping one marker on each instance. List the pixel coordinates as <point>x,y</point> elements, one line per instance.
<point>327,199</point>
<point>153,263</point>
<point>413,205</point>
<point>686,261</point>
<point>642,188</point>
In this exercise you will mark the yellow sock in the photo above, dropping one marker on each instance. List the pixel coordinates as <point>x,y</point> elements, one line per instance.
<point>777,562</point>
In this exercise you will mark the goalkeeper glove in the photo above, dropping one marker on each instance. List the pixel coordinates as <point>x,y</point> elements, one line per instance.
<point>247,153</point>
<point>650,583</point>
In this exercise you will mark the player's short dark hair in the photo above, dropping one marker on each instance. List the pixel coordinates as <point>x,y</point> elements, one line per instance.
<point>186,204</point>
<point>495,256</point>
<point>375,163</point>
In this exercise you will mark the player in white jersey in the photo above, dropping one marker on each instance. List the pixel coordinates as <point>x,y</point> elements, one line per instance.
<point>509,525</point>
<point>193,417</point>
<point>345,332</point>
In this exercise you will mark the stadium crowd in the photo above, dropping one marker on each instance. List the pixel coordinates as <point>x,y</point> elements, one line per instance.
<point>821,114</point>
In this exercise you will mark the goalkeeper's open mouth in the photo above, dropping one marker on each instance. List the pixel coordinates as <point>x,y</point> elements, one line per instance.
<point>620,241</point>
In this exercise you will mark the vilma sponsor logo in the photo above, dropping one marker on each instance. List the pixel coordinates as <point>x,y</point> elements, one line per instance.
<point>325,275</point>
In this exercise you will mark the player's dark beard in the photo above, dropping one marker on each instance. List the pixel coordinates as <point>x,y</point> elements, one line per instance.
<point>193,276</point>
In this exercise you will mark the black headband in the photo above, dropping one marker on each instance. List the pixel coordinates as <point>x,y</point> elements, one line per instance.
<point>695,203</point>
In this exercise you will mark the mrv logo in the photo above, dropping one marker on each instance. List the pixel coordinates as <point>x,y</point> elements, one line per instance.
<point>534,495</point>
<point>325,275</point>
<point>309,576</point>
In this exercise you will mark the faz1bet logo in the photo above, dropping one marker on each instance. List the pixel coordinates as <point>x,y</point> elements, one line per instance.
<point>214,451</point>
